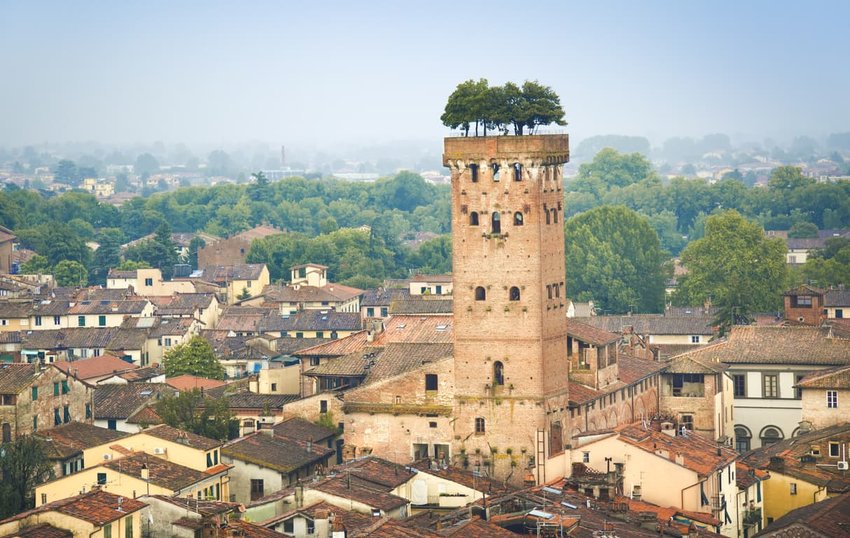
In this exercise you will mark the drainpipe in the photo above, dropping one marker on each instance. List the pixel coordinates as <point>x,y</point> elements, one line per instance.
<point>682,502</point>
<point>815,494</point>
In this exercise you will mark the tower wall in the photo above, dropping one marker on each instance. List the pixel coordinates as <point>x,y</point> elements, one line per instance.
<point>509,301</point>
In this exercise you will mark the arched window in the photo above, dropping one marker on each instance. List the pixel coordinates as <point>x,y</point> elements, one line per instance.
<point>496,223</point>
<point>473,218</point>
<point>548,217</point>
<point>517,172</point>
<point>479,426</point>
<point>554,215</point>
<point>513,294</point>
<point>473,169</point>
<point>7,432</point>
<point>770,435</point>
<point>495,168</point>
<point>480,293</point>
<point>498,373</point>
<point>518,218</point>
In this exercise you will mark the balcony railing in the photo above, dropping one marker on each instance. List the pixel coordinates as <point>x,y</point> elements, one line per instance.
<point>752,517</point>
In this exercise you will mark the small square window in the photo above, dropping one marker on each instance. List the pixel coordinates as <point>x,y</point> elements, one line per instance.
<point>832,399</point>
<point>431,383</point>
<point>695,339</point>
<point>834,449</point>
<point>585,457</point>
<point>101,479</point>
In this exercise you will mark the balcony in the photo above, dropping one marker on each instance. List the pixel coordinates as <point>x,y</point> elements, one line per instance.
<point>752,517</point>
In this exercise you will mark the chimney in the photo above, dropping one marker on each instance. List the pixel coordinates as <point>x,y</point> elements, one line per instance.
<point>321,523</point>
<point>310,444</point>
<point>146,474</point>
<point>668,428</point>
<point>299,495</point>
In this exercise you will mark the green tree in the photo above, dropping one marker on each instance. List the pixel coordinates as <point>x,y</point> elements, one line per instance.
<point>195,245</point>
<point>803,230</point>
<point>23,465</point>
<point>131,265</point>
<point>65,171</point>
<point>611,168</point>
<point>108,254</point>
<point>736,266</point>
<point>70,273</point>
<point>787,178</point>
<point>194,357</point>
<point>191,411</point>
<point>160,251</point>
<point>244,294</point>
<point>37,265</point>
<point>405,191</point>
<point>615,258</point>
<point>434,256</point>
<point>146,165</point>
<point>465,106</point>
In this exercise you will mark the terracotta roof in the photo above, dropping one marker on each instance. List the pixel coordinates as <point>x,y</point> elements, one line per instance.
<point>580,394</point>
<point>384,297</point>
<point>109,307</point>
<point>146,416</point>
<point>302,293</point>
<point>188,382</point>
<point>175,435</point>
<point>93,367</point>
<point>746,476</point>
<point>251,400</point>
<point>95,507</point>
<point>243,318</point>
<point>835,298</point>
<point>14,377</point>
<point>186,304</point>
<point>786,457</point>
<point>422,306</point>
<point>313,320</point>
<point>68,439</point>
<point>222,274</point>
<point>416,329</point>
<point>43,530</point>
<point>688,364</point>
<point>833,378</point>
<point>590,334</point>
<point>463,477</point>
<point>399,358</point>
<point>15,309</point>
<point>336,348</point>
<point>162,473</point>
<point>249,530</point>
<point>6,234</point>
<point>141,374</point>
<point>392,528</point>
<point>10,337</point>
<point>353,521</point>
<point>297,428</point>
<point>776,345</point>
<point>121,401</point>
<point>276,453</point>
<point>71,338</point>
<point>477,528</point>
<point>698,454</point>
<point>198,506</point>
<point>431,278</point>
<point>830,517</point>
<point>653,324</point>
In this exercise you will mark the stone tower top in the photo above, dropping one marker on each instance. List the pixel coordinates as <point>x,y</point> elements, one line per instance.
<point>547,149</point>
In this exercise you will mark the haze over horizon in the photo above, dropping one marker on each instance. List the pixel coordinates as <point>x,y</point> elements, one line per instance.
<point>376,72</point>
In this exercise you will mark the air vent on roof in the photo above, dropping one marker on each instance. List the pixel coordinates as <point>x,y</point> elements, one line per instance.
<point>146,393</point>
<point>442,327</point>
<point>401,326</point>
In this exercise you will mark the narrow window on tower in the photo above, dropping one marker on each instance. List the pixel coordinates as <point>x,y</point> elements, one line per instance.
<point>497,223</point>
<point>518,219</point>
<point>548,217</point>
<point>473,169</point>
<point>498,373</point>
<point>473,219</point>
<point>554,216</point>
<point>517,172</point>
<point>495,168</point>
<point>479,426</point>
<point>480,293</point>
<point>549,290</point>
<point>513,295</point>
<point>557,290</point>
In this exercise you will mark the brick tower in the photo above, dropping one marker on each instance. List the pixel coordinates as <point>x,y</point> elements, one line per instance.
<point>510,367</point>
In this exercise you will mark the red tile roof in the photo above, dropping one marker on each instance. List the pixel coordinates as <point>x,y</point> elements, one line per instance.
<point>95,507</point>
<point>825,518</point>
<point>336,348</point>
<point>595,336</point>
<point>693,452</point>
<point>100,366</point>
<point>416,330</point>
<point>833,378</point>
<point>188,382</point>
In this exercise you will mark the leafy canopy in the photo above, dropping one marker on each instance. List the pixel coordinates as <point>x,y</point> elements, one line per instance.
<point>23,465</point>
<point>615,259</point>
<point>192,411</point>
<point>736,266</point>
<point>502,107</point>
<point>195,357</point>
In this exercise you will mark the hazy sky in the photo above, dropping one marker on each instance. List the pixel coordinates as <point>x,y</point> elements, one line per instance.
<point>366,71</point>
